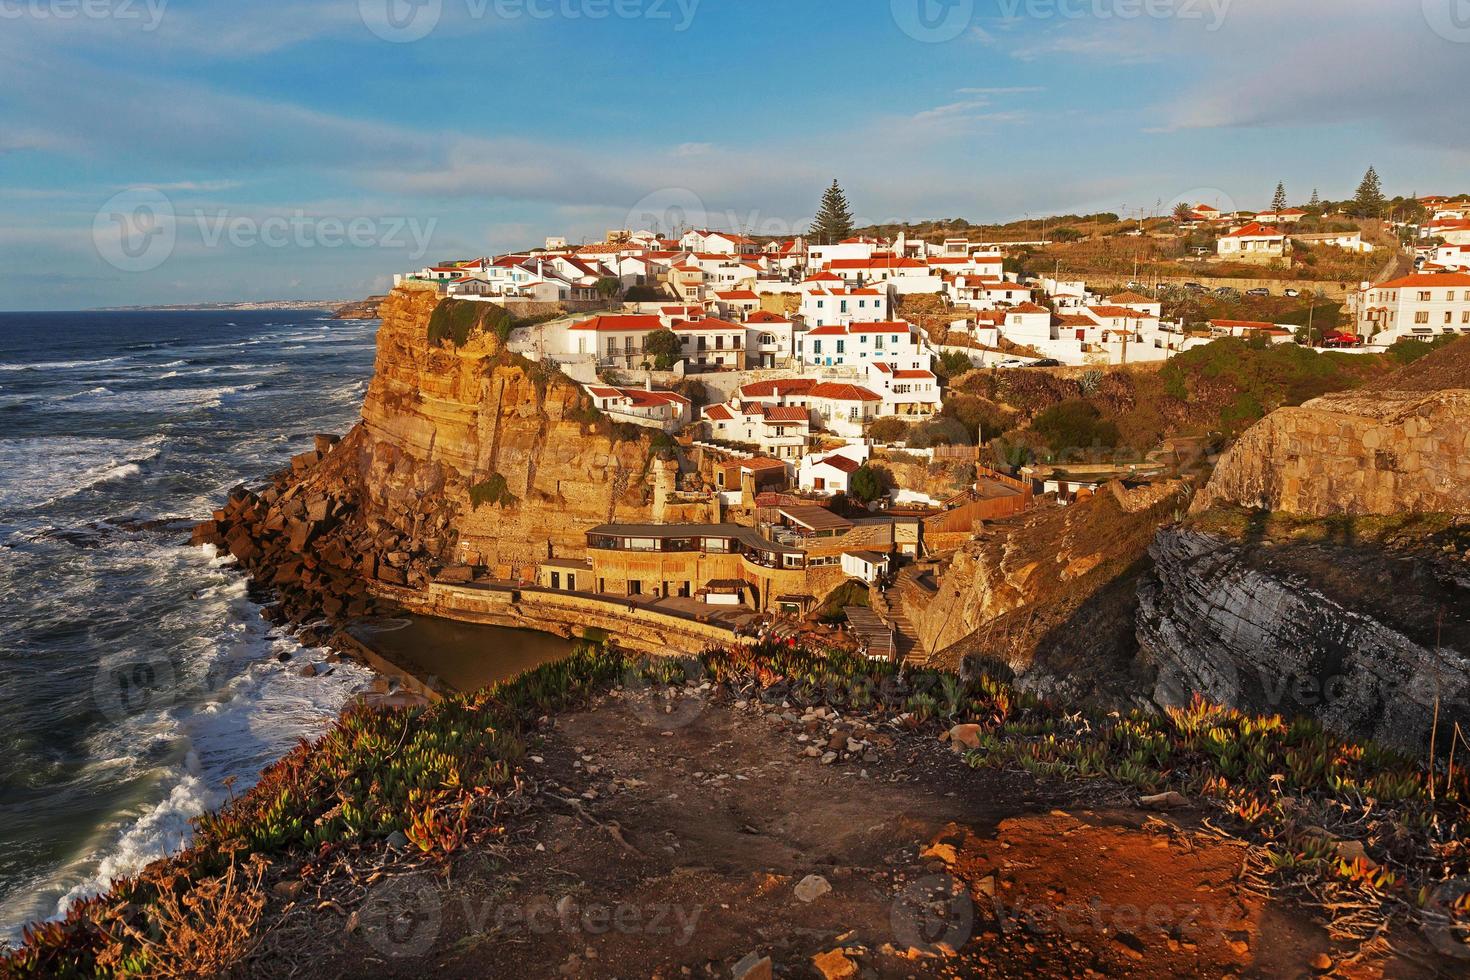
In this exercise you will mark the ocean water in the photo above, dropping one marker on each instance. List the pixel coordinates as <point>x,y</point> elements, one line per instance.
<point>136,677</point>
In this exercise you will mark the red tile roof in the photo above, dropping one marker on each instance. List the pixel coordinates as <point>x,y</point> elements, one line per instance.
<point>1425,280</point>
<point>841,391</point>
<point>645,323</point>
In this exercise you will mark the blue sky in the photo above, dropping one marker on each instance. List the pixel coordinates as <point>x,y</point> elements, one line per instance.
<point>251,138</point>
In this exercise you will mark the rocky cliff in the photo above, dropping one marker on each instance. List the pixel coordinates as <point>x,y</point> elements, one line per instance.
<point>1363,625</point>
<point>1401,445</point>
<point>467,454</point>
<point>512,451</point>
<point>1053,594</point>
<point>1324,570</point>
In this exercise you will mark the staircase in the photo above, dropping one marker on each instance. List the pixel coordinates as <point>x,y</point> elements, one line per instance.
<point>905,642</point>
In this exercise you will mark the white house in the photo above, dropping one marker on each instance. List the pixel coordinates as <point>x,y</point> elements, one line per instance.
<point>723,242</point>
<point>1253,242</point>
<point>770,340</point>
<point>906,392</point>
<point>1274,333</point>
<point>823,307</point>
<point>1420,305</point>
<point>1286,216</point>
<point>903,275</point>
<point>844,409</point>
<point>1351,241</point>
<point>856,344</point>
<point>829,472</point>
<point>613,340</point>
<point>710,342</point>
<point>818,256</point>
<point>1452,257</point>
<point>736,304</point>
<point>869,566</point>
<point>664,410</point>
<point>781,431</point>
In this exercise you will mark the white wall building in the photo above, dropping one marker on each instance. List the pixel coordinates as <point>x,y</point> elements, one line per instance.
<point>824,307</point>
<point>1421,305</point>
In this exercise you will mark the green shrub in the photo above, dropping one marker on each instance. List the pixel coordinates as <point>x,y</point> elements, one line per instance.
<point>493,491</point>
<point>458,320</point>
<point>1075,424</point>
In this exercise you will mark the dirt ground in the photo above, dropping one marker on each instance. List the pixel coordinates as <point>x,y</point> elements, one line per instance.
<point>680,838</point>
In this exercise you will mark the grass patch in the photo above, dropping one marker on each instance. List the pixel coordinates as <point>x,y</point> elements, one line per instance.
<point>457,320</point>
<point>493,492</point>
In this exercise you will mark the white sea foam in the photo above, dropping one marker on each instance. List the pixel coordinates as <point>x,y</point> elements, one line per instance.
<point>239,710</point>
<point>44,470</point>
<point>58,365</point>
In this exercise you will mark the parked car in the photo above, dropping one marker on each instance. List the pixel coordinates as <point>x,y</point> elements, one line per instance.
<point>1046,362</point>
<point>1291,293</point>
<point>1194,287</point>
<point>1012,362</point>
<point>1258,291</point>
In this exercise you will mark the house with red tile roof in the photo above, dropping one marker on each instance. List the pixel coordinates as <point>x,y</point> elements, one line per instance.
<point>1252,243</point>
<point>838,305</point>
<point>665,410</point>
<point>1421,306</point>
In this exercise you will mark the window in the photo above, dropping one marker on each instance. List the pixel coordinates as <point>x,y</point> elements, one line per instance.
<point>1421,317</point>
<point>816,347</point>
<point>1423,295</point>
<point>841,346</point>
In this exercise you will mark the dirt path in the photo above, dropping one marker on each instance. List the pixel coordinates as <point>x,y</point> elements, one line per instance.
<point>676,838</point>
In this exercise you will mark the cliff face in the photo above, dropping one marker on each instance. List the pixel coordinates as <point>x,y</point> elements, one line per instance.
<point>1350,633</point>
<point>440,419</point>
<point>1324,570</point>
<point>1400,446</point>
<point>1053,595</point>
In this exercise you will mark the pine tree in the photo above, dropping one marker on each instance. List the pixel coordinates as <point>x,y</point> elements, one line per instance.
<point>834,220</point>
<point>1316,201</point>
<point>1369,199</point>
<point>1278,203</point>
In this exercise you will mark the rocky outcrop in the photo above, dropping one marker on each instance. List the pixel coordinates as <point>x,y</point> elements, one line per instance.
<point>467,455</point>
<point>367,309</point>
<point>1053,594</point>
<point>1400,446</point>
<point>440,421</point>
<point>1362,636</point>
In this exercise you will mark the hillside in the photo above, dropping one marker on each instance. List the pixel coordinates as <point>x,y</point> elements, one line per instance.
<point>1399,445</point>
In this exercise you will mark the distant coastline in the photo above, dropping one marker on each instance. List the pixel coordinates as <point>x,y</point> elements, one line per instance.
<point>281,304</point>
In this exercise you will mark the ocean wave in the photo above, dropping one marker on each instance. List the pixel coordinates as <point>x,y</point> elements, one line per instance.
<point>42,471</point>
<point>57,365</point>
<point>245,710</point>
<point>167,399</point>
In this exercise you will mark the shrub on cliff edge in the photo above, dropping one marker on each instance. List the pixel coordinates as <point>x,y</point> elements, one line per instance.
<point>458,320</point>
